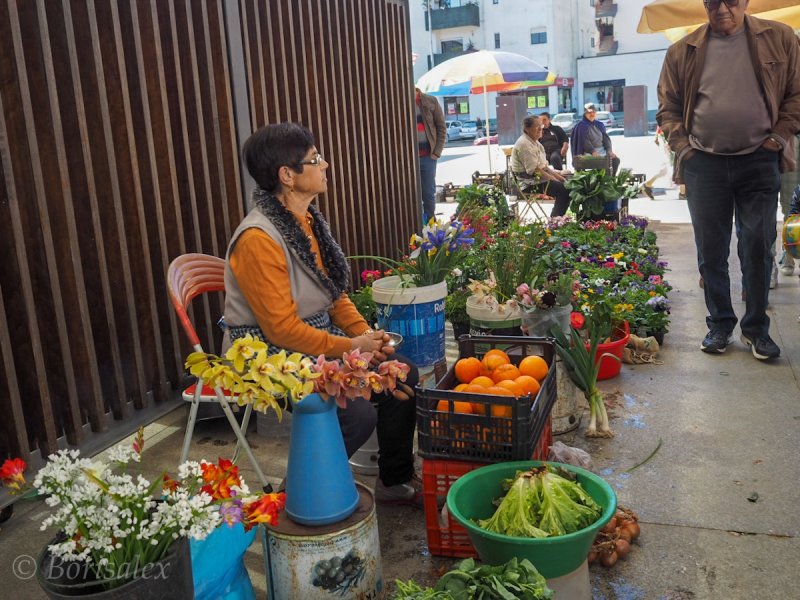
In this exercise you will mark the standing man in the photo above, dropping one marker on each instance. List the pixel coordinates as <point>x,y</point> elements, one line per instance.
<point>555,142</point>
<point>731,130</point>
<point>589,137</point>
<point>431,135</point>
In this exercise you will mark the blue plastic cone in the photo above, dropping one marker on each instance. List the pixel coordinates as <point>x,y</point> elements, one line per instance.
<point>319,483</point>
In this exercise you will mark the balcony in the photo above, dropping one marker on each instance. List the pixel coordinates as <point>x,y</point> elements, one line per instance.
<point>605,8</point>
<point>457,16</point>
<point>443,56</point>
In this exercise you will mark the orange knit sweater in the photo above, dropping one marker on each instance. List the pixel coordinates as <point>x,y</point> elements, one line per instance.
<point>260,268</point>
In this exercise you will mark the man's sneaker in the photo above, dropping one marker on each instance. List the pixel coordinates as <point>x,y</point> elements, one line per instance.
<point>763,348</point>
<point>787,264</point>
<point>773,277</point>
<point>716,341</point>
<point>402,493</point>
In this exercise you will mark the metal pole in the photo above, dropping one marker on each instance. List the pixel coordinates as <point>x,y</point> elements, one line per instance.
<point>488,129</point>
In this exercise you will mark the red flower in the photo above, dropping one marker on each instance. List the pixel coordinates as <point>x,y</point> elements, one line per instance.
<point>219,478</point>
<point>12,473</point>
<point>576,319</point>
<point>263,510</point>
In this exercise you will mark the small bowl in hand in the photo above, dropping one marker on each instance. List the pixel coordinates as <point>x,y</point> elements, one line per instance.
<point>395,339</point>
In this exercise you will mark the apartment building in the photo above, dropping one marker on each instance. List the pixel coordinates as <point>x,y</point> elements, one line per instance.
<point>591,45</point>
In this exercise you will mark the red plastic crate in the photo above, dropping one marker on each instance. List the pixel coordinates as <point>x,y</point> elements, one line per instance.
<point>445,536</point>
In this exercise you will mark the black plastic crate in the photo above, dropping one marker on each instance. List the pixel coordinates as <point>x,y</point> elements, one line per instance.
<point>485,437</point>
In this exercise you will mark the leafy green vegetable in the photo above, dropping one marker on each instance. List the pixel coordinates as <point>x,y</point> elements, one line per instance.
<point>541,503</point>
<point>468,581</point>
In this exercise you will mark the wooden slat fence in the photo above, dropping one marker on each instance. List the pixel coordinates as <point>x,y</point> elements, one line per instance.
<point>119,137</point>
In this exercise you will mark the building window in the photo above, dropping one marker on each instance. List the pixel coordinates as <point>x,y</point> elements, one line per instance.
<point>496,40</point>
<point>496,2</point>
<point>456,106</point>
<point>453,46</point>
<point>539,36</point>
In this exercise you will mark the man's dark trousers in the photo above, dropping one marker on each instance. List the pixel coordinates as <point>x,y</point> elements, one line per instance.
<point>719,188</point>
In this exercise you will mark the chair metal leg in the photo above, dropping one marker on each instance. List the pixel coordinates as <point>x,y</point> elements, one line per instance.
<point>245,422</point>
<point>187,437</point>
<point>226,408</point>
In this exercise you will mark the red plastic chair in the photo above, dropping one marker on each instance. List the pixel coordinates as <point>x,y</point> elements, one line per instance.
<point>189,276</point>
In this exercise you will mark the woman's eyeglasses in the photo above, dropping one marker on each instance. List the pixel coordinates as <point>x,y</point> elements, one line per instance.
<point>316,161</point>
<point>714,4</point>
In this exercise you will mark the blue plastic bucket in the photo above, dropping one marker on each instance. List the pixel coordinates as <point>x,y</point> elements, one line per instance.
<point>416,313</point>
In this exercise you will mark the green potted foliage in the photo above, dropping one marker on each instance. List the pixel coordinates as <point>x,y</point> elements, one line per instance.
<point>592,193</point>
<point>455,311</point>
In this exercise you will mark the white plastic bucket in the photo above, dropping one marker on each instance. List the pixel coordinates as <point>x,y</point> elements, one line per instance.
<point>416,313</point>
<point>484,321</point>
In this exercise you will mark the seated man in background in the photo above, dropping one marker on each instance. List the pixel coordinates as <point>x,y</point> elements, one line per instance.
<point>529,165</point>
<point>589,137</point>
<point>555,142</point>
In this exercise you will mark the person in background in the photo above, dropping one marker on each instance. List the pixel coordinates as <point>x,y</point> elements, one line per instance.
<point>789,180</point>
<point>285,284</point>
<point>431,136</point>
<point>555,142</point>
<point>479,126</point>
<point>732,132</point>
<point>529,165</point>
<point>589,137</point>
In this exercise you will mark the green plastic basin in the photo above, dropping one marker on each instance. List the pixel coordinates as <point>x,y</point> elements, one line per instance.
<point>470,497</point>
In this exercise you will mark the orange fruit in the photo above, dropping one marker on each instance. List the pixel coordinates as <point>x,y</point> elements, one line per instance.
<point>460,387</point>
<point>491,361</point>
<point>459,407</point>
<point>505,372</point>
<point>467,369</point>
<point>515,387</point>
<point>501,411</point>
<point>496,390</point>
<point>495,351</point>
<point>478,408</point>
<point>474,388</point>
<point>528,384</point>
<point>482,381</point>
<point>535,366</point>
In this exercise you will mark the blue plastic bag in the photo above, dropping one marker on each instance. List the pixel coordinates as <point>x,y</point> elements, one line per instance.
<point>218,564</point>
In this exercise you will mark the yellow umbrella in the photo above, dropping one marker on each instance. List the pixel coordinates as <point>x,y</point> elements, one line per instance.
<point>790,16</point>
<point>662,15</point>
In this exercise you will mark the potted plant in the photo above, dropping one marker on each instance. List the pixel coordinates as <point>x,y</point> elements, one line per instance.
<point>593,192</point>
<point>455,310</point>
<point>362,297</point>
<point>116,529</point>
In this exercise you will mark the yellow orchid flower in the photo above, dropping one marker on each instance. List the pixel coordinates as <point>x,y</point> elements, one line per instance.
<point>242,350</point>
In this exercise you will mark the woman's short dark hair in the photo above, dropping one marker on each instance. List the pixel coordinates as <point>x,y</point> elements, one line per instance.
<point>273,147</point>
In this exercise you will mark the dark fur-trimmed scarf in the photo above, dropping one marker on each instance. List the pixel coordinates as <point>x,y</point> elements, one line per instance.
<point>338,278</point>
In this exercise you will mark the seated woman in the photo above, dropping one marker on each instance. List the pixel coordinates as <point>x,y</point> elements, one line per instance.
<point>529,164</point>
<point>285,283</point>
<point>589,137</point>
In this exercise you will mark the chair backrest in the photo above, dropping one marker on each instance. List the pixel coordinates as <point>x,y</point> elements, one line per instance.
<point>188,276</point>
<point>587,163</point>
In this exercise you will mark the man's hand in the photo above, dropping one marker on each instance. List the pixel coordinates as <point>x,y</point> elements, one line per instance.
<point>772,145</point>
<point>403,392</point>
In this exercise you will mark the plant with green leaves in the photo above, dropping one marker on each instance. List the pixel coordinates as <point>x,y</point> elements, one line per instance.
<point>583,366</point>
<point>589,191</point>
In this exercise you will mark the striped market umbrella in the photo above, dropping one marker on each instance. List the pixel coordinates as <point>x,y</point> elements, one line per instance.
<point>482,72</point>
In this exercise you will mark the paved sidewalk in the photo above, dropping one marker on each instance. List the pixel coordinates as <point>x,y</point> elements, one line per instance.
<point>729,426</point>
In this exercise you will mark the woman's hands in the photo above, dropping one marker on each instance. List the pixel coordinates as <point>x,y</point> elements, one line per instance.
<point>376,342</point>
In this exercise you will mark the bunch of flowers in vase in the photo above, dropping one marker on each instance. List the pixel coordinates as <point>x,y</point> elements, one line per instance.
<point>114,524</point>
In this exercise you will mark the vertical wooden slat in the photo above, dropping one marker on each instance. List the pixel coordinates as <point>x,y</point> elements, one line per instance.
<point>81,341</point>
<point>71,407</point>
<point>109,344</point>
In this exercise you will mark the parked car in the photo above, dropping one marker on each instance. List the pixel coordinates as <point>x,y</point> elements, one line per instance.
<point>453,130</point>
<point>606,118</point>
<point>469,130</point>
<point>564,120</point>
